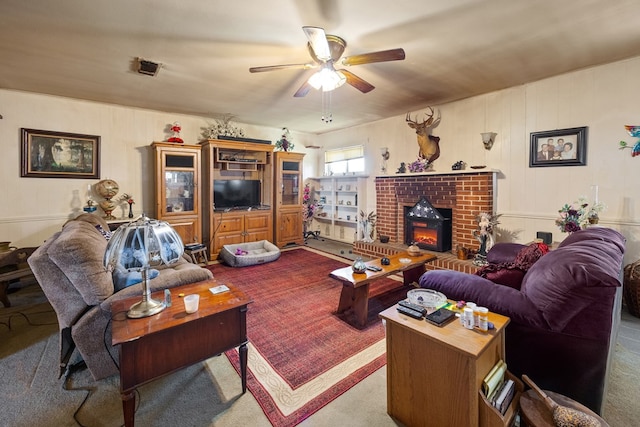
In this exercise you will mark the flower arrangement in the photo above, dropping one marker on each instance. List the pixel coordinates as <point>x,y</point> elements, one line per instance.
<point>419,165</point>
<point>284,143</point>
<point>578,215</point>
<point>222,127</point>
<point>308,206</point>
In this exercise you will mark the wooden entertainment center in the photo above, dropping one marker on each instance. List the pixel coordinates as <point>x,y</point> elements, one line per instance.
<point>274,210</point>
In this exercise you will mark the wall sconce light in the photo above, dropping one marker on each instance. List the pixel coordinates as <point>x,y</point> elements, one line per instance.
<point>384,151</point>
<point>488,139</point>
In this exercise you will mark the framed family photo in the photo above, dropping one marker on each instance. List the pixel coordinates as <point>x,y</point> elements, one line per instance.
<point>47,154</point>
<point>561,147</point>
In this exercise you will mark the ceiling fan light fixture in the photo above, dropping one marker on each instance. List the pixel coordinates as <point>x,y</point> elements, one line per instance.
<point>327,80</point>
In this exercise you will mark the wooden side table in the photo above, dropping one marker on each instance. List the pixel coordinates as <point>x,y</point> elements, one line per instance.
<point>434,374</point>
<point>172,339</point>
<point>198,255</point>
<point>13,266</point>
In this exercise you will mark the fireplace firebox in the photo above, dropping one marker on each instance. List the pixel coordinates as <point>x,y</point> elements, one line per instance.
<point>427,227</point>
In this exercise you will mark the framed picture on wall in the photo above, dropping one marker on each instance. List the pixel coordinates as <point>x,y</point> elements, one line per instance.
<point>561,147</point>
<point>47,154</point>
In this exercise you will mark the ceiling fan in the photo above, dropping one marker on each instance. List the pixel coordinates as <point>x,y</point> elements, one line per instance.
<point>326,50</point>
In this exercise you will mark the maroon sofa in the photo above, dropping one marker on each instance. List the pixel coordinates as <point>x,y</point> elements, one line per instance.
<point>564,313</point>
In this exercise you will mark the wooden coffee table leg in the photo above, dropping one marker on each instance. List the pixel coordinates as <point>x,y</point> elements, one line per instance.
<point>346,298</point>
<point>361,304</point>
<point>243,351</point>
<point>356,299</point>
<point>413,274</point>
<point>128,407</point>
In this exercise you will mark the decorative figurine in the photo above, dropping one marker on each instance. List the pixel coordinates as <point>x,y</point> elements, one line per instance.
<point>176,128</point>
<point>402,168</point>
<point>484,235</point>
<point>459,165</point>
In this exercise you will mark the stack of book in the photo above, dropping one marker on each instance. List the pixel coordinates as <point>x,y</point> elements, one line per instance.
<point>498,391</point>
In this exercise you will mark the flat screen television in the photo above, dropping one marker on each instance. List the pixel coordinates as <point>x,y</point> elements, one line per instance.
<point>236,193</point>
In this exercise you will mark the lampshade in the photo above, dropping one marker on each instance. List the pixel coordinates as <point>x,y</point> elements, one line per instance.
<point>328,79</point>
<point>488,138</point>
<point>139,245</point>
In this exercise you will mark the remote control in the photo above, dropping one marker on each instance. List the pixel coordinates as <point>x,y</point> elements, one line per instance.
<point>373,268</point>
<point>409,312</point>
<point>415,307</point>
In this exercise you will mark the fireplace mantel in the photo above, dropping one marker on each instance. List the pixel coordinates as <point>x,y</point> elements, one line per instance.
<point>437,173</point>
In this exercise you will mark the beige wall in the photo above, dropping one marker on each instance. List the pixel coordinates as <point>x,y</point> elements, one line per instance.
<point>32,209</point>
<point>603,98</point>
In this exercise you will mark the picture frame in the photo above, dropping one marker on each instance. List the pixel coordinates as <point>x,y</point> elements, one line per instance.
<point>573,142</point>
<point>49,154</point>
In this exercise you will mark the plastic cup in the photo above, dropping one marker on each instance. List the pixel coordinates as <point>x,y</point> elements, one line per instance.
<point>191,303</point>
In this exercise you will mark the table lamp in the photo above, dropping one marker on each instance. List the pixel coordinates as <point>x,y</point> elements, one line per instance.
<point>139,245</point>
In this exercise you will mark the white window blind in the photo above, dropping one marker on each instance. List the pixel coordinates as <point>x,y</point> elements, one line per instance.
<point>346,153</point>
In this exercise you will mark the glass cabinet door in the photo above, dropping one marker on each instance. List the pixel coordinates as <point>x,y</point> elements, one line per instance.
<point>290,189</point>
<point>179,190</point>
<point>290,182</point>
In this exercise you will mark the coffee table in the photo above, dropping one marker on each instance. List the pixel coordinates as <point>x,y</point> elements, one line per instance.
<point>172,339</point>
<point>355,286</point>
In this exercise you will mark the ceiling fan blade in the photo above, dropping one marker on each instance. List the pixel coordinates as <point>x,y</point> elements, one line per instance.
<point>303,91</point>
<point>318,41</point>
<point>355,81</point>
<point>282,67</point>
<point>381,56</point>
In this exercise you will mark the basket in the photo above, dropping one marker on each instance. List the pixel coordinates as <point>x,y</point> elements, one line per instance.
<point>631,288</point>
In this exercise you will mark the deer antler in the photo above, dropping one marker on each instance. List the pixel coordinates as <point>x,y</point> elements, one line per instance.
<point>425,124</point>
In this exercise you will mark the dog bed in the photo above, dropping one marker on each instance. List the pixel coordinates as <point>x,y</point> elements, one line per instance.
<point>245,254</point>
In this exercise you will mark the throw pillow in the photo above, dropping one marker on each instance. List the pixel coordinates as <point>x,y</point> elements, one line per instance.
<point>511,273</point>
<point>123,278</point>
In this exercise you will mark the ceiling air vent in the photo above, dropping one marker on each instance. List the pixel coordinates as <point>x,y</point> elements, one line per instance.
<point>148,67</point>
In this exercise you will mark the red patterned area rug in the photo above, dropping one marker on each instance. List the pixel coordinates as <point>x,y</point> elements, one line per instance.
<point>301,354</point>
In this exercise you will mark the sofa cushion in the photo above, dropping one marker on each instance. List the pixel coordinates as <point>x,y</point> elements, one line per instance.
<point>78,253</point>
<point>503,252</point>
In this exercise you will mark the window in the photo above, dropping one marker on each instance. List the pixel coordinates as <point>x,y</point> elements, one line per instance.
<point>344,160</point>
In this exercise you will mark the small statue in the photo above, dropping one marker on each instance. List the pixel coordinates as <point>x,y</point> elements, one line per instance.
<point>402,168</point>
<point>176,128</point>
<point>484,235</point>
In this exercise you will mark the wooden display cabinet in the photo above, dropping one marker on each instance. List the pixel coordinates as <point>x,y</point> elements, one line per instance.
<point>287,194</point>
<point>435,374</point>
<point>177,183</point>
<point>231,160</point>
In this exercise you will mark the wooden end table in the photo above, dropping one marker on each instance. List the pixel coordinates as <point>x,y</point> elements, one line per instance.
<point>434,374</point>
<point>355,286</point>
<point>172,339</point>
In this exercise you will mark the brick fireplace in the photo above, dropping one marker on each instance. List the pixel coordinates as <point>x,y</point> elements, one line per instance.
<point>466,193</point>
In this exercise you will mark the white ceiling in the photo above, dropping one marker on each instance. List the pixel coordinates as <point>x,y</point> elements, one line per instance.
<point>454,49</point>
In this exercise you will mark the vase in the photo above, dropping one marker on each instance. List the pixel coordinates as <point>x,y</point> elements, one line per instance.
<point>359,266</point>
<point>130,210</point>
<point>594,220</point>
<point>368,232</point>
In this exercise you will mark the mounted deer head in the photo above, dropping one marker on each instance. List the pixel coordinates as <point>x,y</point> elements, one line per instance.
<point>429,144</point>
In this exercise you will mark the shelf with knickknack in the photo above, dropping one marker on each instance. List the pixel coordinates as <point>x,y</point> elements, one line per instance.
<point>340,199</point>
